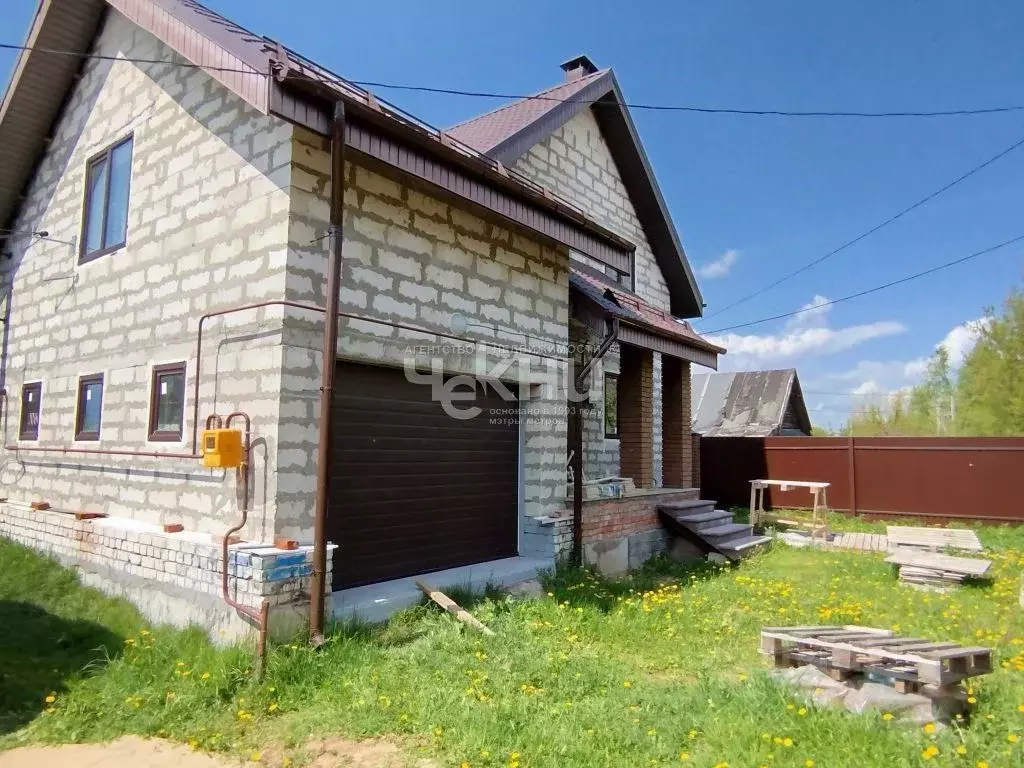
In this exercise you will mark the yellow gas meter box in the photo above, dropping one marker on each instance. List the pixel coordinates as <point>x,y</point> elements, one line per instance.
<point>222,448</point>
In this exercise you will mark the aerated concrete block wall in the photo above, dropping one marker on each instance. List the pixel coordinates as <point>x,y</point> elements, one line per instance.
<point>208,222</point>
<point>416,259</point>
<point>576,163</point>
<point>174,578</point>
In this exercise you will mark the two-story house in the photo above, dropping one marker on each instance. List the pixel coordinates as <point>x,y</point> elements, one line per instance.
<point>167,193</point>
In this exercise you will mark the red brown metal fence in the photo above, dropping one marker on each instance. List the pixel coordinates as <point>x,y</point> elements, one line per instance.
<point>969,478</point>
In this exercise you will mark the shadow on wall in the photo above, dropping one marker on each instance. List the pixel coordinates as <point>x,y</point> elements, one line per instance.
<point>38,652</point>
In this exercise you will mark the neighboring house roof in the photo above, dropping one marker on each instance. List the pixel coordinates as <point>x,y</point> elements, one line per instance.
<point>273,79</point>
<point>508,133</point>
<point>630,309</point>
<point>748,404</point>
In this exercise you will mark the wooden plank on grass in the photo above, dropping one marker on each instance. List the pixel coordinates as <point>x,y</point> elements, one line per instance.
<point>938,562</point>
<point>453,608</point>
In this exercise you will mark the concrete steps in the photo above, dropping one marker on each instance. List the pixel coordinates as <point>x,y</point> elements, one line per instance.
<point>712,530</point>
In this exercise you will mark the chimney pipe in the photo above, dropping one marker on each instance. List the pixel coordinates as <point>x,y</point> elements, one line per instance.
<point>577,67</point>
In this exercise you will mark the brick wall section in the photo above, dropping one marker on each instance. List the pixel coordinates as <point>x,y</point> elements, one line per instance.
<point>676,424</point>
<point>636,415</point>
<point>414,258</point>
<point>607,519</point>
<point>187,566</point>
<point>207,229</point>
<point>576,163</point>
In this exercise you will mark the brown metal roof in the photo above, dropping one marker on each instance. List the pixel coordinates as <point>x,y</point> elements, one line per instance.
<point>631,309</point>
<point>28,111</point>
<point>272,79</point>
<point>489,130</point>
<point>509,132</point>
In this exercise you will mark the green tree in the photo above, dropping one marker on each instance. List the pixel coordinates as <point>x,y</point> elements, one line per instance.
<point>990,386</point>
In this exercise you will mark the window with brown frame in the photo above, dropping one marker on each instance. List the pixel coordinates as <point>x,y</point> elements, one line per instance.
<point>167,403</point>
<point>90,407</point>
<point>107,185</point>
<point>31,400</point>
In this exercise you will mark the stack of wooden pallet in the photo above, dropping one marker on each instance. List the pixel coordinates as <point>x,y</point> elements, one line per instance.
<point>935,569</point>
<point>916,552</point>
<point>844,652</point>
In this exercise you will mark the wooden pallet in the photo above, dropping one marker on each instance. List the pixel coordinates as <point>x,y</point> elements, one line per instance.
<point>933,539</point>
<point>843,651</point>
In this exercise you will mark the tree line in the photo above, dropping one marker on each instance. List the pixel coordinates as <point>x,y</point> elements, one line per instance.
<point>985,397</point>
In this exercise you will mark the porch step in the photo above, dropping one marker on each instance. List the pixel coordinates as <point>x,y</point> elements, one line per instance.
<point>713,530</point>
<point>727,531</point>
<point>691,506</point>
<point>743,546</point>
<point>702,520</point>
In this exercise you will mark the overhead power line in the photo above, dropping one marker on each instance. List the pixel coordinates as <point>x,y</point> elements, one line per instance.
<point>867,291</point>
<point>103,57</point>
<point>873,230</point>
<point>692,108</point>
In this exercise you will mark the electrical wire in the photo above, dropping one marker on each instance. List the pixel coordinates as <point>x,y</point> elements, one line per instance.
<point>867,291</point>
<point>542,97</point>
<point>102,57</point>
<point>873,230</point>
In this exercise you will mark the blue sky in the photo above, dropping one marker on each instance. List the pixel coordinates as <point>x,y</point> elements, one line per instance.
<point>774,193</point>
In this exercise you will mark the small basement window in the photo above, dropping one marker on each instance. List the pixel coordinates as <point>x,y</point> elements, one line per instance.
<point>167,403</point>
<point>31,400</point>
<point>90,407</point>
<point>107,182</point>
<point>611,406</point>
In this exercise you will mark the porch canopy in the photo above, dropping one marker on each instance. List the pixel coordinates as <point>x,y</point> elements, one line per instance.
<point>640,324</point>
<point>644,330</point>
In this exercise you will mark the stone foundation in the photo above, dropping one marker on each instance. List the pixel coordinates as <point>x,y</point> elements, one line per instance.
<point>173,578</point>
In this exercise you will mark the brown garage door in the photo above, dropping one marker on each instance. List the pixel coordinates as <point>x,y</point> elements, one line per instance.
<point>413,490</point>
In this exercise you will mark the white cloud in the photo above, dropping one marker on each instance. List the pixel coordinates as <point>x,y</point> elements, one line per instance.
<point>720,267</point>
<point>961,340</point>
<point>812,314</point>
<point>805,334</point>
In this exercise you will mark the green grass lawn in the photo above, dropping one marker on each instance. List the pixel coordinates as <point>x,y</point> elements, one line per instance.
<point>660,669</point>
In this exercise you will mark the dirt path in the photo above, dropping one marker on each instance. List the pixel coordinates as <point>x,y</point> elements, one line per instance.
<point>134,752</point>
<point>127,752</point>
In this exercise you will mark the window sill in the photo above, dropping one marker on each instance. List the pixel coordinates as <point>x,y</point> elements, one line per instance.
<point>85,258</point>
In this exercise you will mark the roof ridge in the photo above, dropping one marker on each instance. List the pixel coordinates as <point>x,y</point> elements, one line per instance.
<point>531,97</point>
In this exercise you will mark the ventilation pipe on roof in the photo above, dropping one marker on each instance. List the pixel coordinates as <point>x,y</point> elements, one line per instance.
<point>330,355</point>
<point>578,67</point>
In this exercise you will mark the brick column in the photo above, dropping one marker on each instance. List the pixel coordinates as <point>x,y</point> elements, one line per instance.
<point>677,442</point>
<point>636,415</point>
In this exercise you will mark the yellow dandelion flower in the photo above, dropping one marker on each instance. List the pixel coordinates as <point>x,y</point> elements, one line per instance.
<point>272,707</point>
<point>464,764</point>
<point>1020,707</point>
<point>787,742</point>
<point>50,699</point>
<point>971,700</point>
<point>684,756</point>
<point>286,762</point>
<point>1013,738</point>
<point>485,753</point>
<point>928,728</point>
<point>802,711</point>
<point>205,675</point>
<point>809,763</point>
<point>743,678</point>
<point>929,752</point>
<point>438,731</point>
<point>627,683</point>
<point>721,765</point>
<point>888,716</point>
<point>961,750</point>
<point>981,764</point>
<point>256,757</point>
